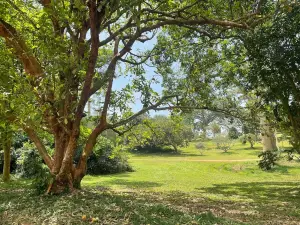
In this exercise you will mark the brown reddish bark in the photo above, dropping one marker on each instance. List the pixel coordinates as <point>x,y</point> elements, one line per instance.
<point>80,170</point>
<point>14,41</point>
<point>63,169</point>
<point>40,146</point>
<point>61,141</point>
<point>61,184</point>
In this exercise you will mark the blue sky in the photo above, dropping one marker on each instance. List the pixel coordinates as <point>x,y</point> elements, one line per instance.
<point>122,81</point>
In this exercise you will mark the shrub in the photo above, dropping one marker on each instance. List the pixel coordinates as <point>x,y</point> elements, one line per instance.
<point>42,179</point>
<point>29,163</point>
<point>250,138</point>
<point>233,133</point>
<point>106,159</point>
<point>223,142</point>
<point>152,149</point>
<point>268,160</point>
<point>201,147</point>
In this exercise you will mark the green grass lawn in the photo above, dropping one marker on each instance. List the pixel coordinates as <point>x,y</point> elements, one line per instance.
<point>185,188</point>
<point>238,151</point>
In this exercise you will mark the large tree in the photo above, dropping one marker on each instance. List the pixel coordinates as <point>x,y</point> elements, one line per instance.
<point>160,131</point>
<point>70,51</point>
<point>7,90</point>
<point>6,139</point>
<point>274,75</point>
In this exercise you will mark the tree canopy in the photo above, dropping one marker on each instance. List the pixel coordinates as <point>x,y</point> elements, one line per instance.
<point>70,51</point>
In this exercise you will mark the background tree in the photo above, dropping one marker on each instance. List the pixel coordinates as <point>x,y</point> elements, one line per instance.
<point>215,128</point>
<point>6,139</point>
<point>203,118</point>
<point>160,131</point>
<point>250,138</point>
<point>233,133</point>
<point>265,63</point>
<point>8,87</point>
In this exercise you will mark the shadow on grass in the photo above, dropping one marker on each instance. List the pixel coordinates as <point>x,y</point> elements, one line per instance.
<point>105,207</point>
<point>228,153</point>
<point>124,182</point>
<point>256,152</point>
<point>264,193</point>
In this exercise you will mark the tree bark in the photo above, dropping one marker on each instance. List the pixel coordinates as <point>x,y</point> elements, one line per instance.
<point>7,139</point>
<point>39,145</point>
<point>268,135</point>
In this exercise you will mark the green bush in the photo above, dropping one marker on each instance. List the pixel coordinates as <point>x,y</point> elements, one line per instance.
<point>233,133</point>
<point>201,147</point>
<point>29,163</point>
<point>250,138</point>
<point>222,142</point>
<point>42,179</point>
<point>268,160</point>
<point>105,159</point>
<point>153,149</point>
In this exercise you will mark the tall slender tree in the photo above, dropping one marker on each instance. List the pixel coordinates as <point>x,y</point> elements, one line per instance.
<point>6,139</point>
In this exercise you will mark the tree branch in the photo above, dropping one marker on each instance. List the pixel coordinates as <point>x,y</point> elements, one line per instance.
<point>14,41</point>
<point>144,110</point>
<point>39,145</point>
<point>23,14</point>
<point>58,30</point>
<point>110,74</point>
<point>120,133</point>
<point>85,93</point>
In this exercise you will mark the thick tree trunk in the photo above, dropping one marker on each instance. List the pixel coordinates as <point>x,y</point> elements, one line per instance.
<point>63,169</point>
<point>7,139</point>
<point>268,135</point>
<point>61,141</point>
<point>61,184</point>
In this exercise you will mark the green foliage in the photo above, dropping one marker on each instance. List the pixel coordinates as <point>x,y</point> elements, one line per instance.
<point>248,138</point>
<point>233,133</point>
<point>29,163</point>
<point>41,179</point>
<point>215,128</point>
<point>13,162</point>
<point>52,62</point>
<point>268,160</point>
<point>106,159</point>
<point>222,142</point>
<point>272,71</point>
<point>159,132</point>
<point>201,147</point>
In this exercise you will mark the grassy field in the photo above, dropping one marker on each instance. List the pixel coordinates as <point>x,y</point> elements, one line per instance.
<point>169,188</point>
